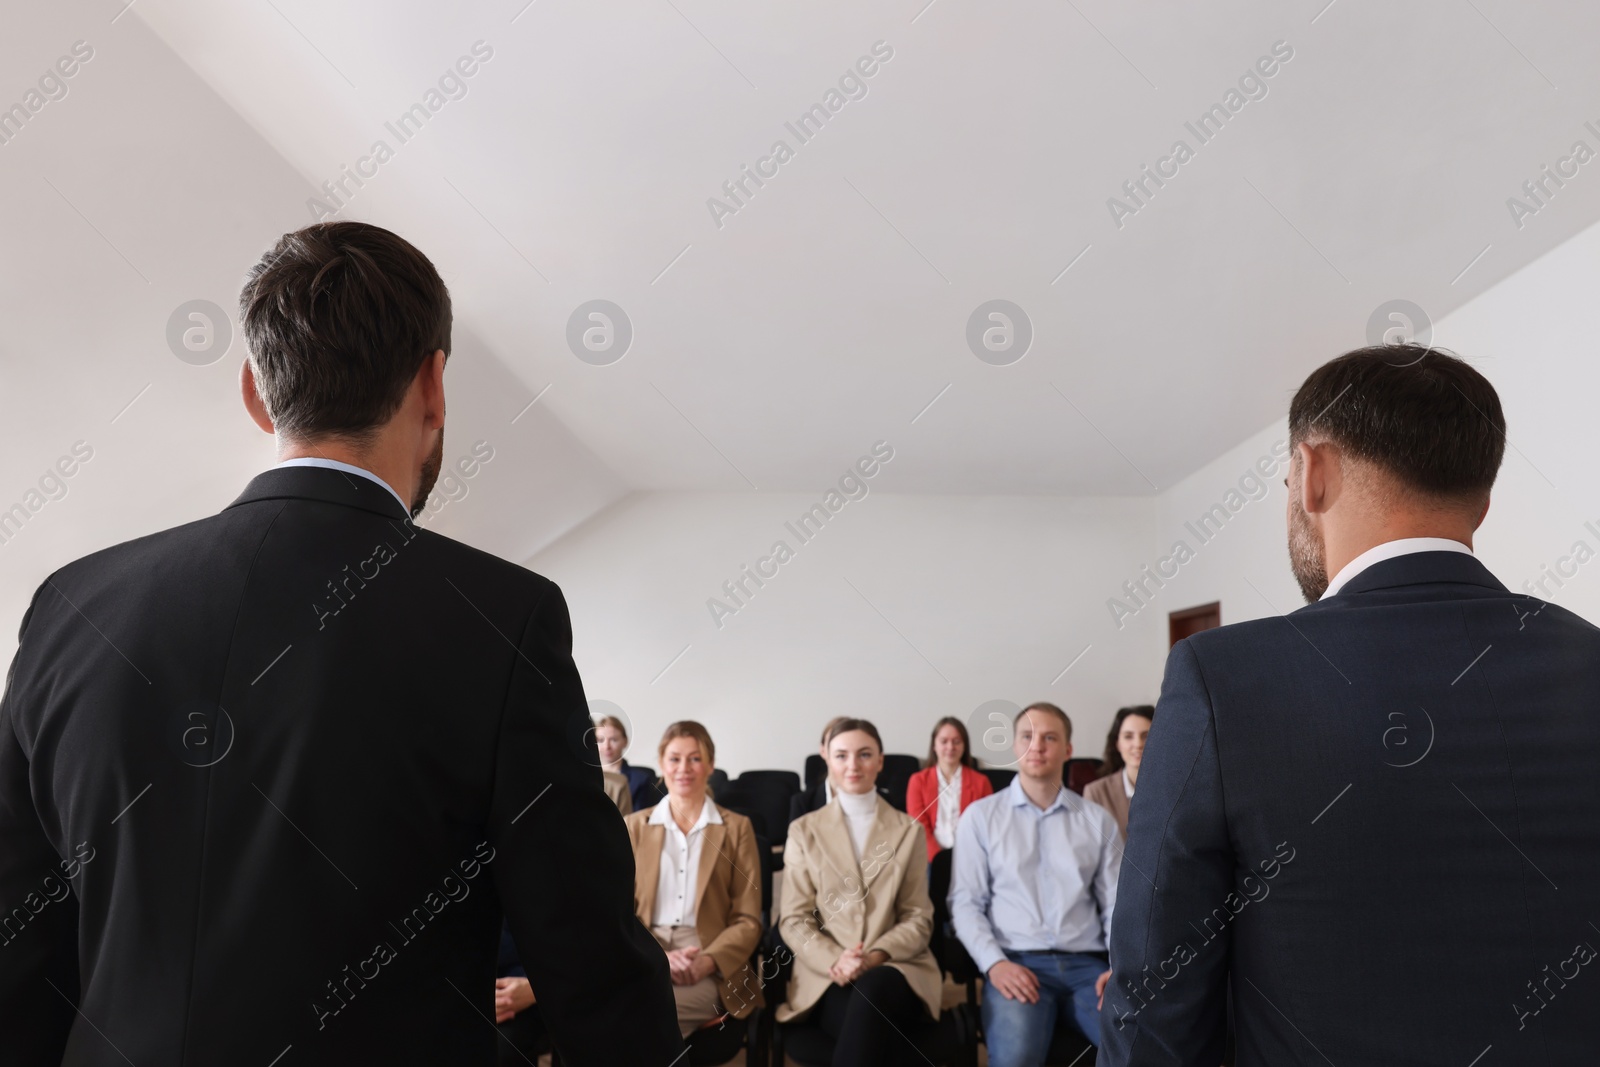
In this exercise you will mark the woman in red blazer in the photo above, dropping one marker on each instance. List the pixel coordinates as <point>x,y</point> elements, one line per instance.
<point>951,776</point>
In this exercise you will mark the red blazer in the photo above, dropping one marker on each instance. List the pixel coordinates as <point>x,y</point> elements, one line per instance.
<point>922,797</point>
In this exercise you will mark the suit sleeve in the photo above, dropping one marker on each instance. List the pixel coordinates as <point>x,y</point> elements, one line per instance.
<point>798,920</point>
<point>923,808</point>
<point>1166,1001</point>
<point>913,910</point>
<point>564,867</point>
<point>38,915</point>
<point>732,947</point>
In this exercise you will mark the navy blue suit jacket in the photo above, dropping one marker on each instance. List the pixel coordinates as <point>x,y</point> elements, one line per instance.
<point>1376,821</point>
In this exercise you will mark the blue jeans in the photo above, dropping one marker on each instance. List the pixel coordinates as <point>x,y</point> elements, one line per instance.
<point>1017,1033</point>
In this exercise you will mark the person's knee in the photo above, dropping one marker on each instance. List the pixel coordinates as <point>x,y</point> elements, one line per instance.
<point>1015,1031</point>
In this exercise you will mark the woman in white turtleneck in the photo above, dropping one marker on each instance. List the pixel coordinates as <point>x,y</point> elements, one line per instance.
<point>856,913</point>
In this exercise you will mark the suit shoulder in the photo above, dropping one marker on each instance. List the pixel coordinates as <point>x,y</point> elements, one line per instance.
<point>488,564</point>
<point>1099,789</point>
<point>737,824</point>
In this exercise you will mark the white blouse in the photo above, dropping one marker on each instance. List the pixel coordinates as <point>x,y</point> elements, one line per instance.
<point>680,864</point>
<point>944,826</point>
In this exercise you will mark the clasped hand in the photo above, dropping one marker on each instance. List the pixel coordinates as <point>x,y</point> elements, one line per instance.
<point>689,965</point>
<point>853,963</point>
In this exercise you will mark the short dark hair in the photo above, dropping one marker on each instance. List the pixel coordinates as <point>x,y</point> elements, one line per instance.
<point>1113,761</point>
<point>967,758</point>
<point>338,317</point>
<point>1421,414</point>
<point>1048,709</point>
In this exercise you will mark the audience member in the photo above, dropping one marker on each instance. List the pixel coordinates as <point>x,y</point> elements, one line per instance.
<point>697,884</point>
<point>617,788</point>
<point>1033,886</point>
<point>949,781</point>
<point>820,792</point>
<point>611,738</point>
<point>856,913</point>
<point>1113,790</point>
<point>524,1036</point>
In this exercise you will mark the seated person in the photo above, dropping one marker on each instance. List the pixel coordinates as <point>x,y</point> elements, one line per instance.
<point>619,791</point>
<point>524,1033</point>
<point>950,780</point>
<point>697,884</point>
<point>1113,790</point>
<point>611,738</point>
<point>1033,884</point>
<point>822,790</point>
<point>856,913</point>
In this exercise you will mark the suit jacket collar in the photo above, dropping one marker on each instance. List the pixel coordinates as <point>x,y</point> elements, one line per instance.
<point>838,852</point>
<point>323,484</point>
<point>1420,568</point>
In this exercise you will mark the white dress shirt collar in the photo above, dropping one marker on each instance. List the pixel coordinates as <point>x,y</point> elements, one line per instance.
<point>1127,786</point>
<point>661,815</point>
<point>1403,546</point>
<point>348,468</point>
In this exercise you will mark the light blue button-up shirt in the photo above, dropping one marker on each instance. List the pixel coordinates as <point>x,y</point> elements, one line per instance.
<point>1027,879</point>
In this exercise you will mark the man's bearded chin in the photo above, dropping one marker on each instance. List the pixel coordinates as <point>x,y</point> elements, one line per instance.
<point>430,474</point>
<point>1308,556</point>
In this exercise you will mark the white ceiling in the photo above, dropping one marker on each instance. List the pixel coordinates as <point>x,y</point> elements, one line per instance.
<point>832,309</point>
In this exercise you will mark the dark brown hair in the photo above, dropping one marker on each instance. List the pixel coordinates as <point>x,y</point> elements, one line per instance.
<point>1112,761</point>
<point>338,317</point>
<point>844,726</point>
<point>1050,709</point>
<point>1421,414</point>
<point>967,758</point>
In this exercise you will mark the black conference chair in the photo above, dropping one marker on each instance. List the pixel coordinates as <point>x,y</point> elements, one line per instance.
<point>1067,1046</point>
<point>771,792</point>
<point>816,769</point>
<point>999,777</point>
<point>1080,772</point>
<point>896,776</point>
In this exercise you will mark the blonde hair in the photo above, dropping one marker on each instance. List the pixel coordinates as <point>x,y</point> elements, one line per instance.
<point>688,728</point>
<point>613,722</point>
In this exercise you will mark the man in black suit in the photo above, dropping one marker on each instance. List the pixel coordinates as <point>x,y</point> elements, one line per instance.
<point>267,780</point>
<point>1374,821</point>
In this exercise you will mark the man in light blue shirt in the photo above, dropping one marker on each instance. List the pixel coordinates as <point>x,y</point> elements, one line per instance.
<point>1034,882</point>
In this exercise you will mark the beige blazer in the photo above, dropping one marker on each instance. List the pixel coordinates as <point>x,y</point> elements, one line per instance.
<point>617,789</point>
<point>727,897</point>
<point>831,902</point>
<point>1109,794</point>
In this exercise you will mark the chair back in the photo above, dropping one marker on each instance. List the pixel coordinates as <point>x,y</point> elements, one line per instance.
<point>1080,772</point>
<point>999,777</point>
<point>816,769</point>
<point>770,792</point>
<point>896,776</point>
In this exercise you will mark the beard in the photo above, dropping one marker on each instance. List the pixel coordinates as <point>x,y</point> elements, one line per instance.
<point>430,474</point>
<point>1308,556</point>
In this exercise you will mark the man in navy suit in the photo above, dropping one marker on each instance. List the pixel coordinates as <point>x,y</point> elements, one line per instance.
<point>1375,822</point>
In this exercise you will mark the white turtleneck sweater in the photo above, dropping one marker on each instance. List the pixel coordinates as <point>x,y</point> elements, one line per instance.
<point>859,811</point>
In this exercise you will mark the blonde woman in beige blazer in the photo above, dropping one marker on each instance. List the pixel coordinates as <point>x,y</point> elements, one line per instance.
<point>856,913</point>
<point>697,885</point>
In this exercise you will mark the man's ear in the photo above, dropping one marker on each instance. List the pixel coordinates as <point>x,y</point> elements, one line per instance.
<point>252,398</point>
<point>430,379</point>
<point>1319,476</point>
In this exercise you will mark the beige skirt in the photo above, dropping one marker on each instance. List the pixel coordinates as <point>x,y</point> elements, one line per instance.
<point>698,1003</point>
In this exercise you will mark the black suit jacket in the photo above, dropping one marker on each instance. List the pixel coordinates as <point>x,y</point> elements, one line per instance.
<point>1378,821</point>
<point>283,768</point>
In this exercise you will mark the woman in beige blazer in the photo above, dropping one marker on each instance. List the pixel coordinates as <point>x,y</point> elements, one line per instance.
<point>1113,790</point>
<point>697,884</point>
<point>856,913</point>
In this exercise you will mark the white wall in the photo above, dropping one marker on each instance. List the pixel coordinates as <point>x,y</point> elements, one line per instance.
<point>981,598</point>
